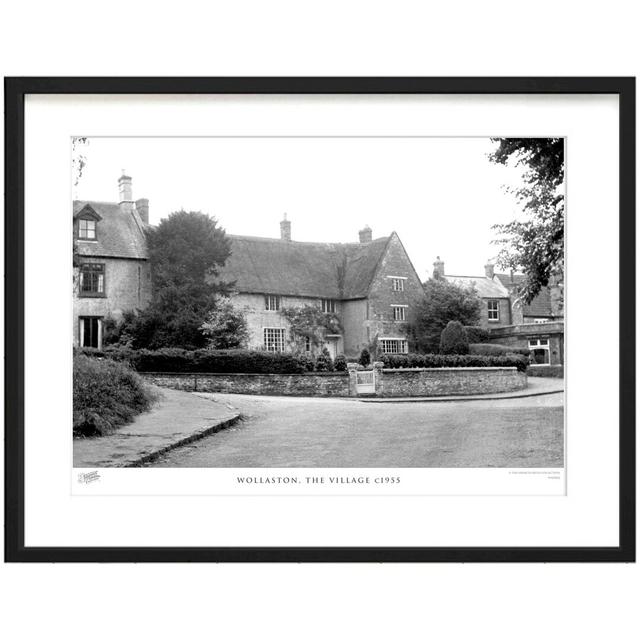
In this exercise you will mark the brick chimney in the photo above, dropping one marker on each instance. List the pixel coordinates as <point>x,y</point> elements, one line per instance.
<point>285,229</point>
<point>126,193</point>
<point>366,235</point>
<point>142,207</point>
<point>489,270</point>
<point>438,268</point>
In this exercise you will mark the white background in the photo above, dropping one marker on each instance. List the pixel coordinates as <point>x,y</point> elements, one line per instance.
<point>320,601</point>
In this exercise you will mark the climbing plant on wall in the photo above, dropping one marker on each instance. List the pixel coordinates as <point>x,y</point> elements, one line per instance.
<point>310,322</point>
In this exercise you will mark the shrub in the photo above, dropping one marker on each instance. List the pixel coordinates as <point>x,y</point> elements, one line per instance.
<point>324,361</point>
<point>106,395</point>
<point>340,363</point>
<point>434,360</point>
<point>477,334</point>
<point>454,339</point>
<point>496,350</point>
<point>365,358</point>
<point>226,327</point>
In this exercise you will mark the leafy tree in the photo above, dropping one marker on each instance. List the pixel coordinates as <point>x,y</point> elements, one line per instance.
<point>443,302</point>
<point>454,340</point>
<point>535,245</point>
<point>226,327</point>
<point>186,250</point>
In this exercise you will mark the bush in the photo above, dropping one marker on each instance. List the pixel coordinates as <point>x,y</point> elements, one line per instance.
<point>453,339</point>
<point>365,358</point>
<point>496,350</point>
<point>106,395</point>
<point>433,360</point>
<point>477,334</point>
<point>324,361</point>
<point>340,363</point>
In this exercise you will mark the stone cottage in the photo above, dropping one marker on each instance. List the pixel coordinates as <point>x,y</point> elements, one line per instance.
<point>112,273</point>
<point>371,285</point>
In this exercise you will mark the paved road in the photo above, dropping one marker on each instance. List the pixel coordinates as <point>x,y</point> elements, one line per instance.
<point>308,432</point>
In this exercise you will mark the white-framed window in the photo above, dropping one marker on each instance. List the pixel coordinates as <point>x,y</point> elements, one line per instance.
<point>393,345</point>
<point>493,310</point>
<point>539,349</point>
<point>399,312</point>
<point>274,339</point>
<point>397,284</point>
<point>86,229</point>
<point>90,331</point>
<point>272,303</point>
<point>540,321</point>
<point>328,305</point>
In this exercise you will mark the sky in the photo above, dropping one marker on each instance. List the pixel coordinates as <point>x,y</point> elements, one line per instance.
<point>441,195</point>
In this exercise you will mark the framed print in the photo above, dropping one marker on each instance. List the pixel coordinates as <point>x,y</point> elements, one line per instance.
<point>320,319</point>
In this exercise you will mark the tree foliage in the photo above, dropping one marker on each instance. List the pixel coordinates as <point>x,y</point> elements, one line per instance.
<point>186,251</point>
<point>226,327</point>
<point>443,302</point>
<point>535,245</point>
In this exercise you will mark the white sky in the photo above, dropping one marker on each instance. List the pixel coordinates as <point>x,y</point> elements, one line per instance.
<point>441,195</point>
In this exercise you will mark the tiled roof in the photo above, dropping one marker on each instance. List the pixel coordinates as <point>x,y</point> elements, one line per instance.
<point>485,287</point>
<point>540,306</point>
<point>119,233</point>
<point>306,269</point>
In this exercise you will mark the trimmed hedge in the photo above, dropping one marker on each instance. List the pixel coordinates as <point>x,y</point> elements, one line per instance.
<point>208,360</point>
<point>434,360</point>
<point>454,340</point>
<point>477,334</point>
<point>496,350</point>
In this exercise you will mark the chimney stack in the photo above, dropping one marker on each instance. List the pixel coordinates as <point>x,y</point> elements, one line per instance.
<point>365,234</point>
<point>126,193</point>
<point>285,229</point>
<point>142,207</point>
<point>489,270</point>
<point>438,268</point>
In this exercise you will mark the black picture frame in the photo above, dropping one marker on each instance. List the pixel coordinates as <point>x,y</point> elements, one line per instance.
<point>15,91</point>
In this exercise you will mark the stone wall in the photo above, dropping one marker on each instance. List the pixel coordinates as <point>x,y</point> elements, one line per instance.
<point>389,382</point>
<point>268,384</point>
<point>450,381</point>
<point>379,321</point>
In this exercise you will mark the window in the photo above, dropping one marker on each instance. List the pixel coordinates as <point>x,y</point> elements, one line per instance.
<point>399,312</point>
<point>397,284</point>
<point>393,345</point>
<point>328,306</point>
<point>272,303</point>
<point>91,332</point>
<point>493,310</point>
<point>539,349</point>
<point>307,344</point>
<point>92,280</point>
<point>274,339</point>
<point>86,229</point>
<point>540,321</point>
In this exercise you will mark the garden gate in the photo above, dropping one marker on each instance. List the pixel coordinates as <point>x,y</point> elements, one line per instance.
<point>365,382</point>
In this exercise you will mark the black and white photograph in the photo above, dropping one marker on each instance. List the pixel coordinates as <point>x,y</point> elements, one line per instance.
<point>334,302</point>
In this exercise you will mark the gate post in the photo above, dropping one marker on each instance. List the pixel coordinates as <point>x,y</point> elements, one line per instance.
<point>352,367</point>
<point>377,369</point>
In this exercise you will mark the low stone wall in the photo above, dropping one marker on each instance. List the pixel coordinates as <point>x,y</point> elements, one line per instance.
<point>451,381</point>
<point>268,384</point>
<point>389,382</point>
<point>552,371</point>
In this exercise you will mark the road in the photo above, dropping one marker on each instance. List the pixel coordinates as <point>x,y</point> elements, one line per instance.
<point>324,432</point>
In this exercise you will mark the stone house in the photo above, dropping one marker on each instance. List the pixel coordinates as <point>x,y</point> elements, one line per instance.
<point>495,296</point>
<point>112,273</point>
<point>370,285</point>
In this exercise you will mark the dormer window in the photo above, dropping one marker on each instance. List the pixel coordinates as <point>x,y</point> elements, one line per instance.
<point>87,223</point>
<point>86,229</point>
